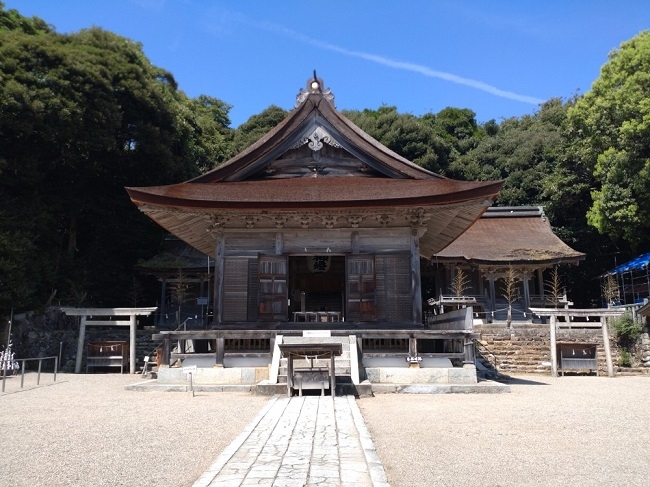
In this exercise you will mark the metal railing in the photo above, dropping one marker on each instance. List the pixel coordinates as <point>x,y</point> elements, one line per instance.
<point>22,370</point>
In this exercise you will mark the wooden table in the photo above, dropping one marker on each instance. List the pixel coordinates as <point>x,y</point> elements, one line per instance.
<point>316,377</point>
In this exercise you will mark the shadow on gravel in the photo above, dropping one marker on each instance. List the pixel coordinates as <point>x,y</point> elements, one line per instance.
<point>522,382</point>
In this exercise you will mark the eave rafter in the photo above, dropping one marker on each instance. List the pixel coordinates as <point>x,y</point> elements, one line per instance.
<point>437,225</point>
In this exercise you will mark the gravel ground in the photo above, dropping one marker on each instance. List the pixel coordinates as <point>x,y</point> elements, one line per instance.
<point>548,432</point>
<point>86,430</point>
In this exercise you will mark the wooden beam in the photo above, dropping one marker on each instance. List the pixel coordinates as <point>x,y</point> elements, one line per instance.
<point>108,311</point>
<point>108,322</point>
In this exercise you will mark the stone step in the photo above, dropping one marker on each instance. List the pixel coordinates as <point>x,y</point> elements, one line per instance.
<point>341,372</point>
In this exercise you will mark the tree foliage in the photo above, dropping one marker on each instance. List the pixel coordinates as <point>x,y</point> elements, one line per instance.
<point>255,127</point>
<point>610,130</point>
<point>523,151</point>
<point>81,117</point>
<point>408,135</point>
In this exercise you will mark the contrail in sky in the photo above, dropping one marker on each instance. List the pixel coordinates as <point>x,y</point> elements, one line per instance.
<point>392,63</point>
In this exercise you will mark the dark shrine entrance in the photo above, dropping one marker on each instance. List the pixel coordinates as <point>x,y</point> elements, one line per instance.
<point>317,288</point>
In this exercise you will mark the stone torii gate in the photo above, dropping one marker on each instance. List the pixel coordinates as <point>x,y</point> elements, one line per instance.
<point>117,313</point>
<point>601,313</point>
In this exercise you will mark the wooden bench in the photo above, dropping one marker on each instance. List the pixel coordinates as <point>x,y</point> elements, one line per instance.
<point>107,354</point>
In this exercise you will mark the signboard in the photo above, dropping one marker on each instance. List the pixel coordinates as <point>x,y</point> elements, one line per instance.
<point>317,333</point>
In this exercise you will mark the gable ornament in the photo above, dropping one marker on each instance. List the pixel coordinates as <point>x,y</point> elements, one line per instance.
<point>316,139</point>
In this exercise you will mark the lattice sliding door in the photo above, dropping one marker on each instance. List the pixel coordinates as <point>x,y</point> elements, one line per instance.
<point>361,288</point>
<point>273,289</point>
<point>394,295</point>
<point>235,289</point>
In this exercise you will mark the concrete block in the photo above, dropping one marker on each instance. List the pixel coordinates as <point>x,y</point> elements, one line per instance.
<point>373,374</point>
<point>463,376</point>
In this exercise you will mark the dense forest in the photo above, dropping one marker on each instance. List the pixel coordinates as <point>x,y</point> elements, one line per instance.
<point>83,115</point>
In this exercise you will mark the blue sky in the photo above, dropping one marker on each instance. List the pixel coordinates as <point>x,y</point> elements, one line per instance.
<point>499,58</point>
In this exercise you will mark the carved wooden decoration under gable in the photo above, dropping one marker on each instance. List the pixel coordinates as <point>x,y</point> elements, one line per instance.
<point>317,155</point>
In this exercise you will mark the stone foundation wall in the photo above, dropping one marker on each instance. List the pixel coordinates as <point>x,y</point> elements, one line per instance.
<point>528,350</point>
<point>644,348</point>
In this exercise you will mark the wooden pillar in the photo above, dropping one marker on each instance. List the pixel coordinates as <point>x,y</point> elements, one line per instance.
<point>220,351</point>
<point>166,351</point>
<point>163,297</point>
<point>218,278</point>
<point>290,375</point>
<point>132,345</point>
<point>540,282</point>
<point>80,345</point>
<point>553,347</point>
<point>525,277</point>
<point>332,375</point>
<point>416,283</point>
<point>279,243</point>
<point>413,347</point>
<point>493,303</point>
<point>354,242</point>
<point>468,351</point>
<point>608,352</point>
<point>354,359</point>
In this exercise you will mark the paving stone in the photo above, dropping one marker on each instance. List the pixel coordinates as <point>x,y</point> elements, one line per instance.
<point>300,441</point>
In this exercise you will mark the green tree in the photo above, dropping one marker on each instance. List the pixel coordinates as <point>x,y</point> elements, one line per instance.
<point>410,136</point>
<point>81,117</point>
<point>457,126</point>
<point>610,130</point>
<point>13,20</point>
<point>522,151</point>
<point>255,127</point>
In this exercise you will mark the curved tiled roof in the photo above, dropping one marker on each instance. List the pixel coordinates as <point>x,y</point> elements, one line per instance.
<point>302,193</point>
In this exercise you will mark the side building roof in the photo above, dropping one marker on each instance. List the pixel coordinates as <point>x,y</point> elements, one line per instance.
<point>510,235</point>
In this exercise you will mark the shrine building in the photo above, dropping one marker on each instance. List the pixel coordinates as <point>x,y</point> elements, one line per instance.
<point>317,226</point>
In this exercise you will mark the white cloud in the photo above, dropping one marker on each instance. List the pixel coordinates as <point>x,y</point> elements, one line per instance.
<point>391,63</point>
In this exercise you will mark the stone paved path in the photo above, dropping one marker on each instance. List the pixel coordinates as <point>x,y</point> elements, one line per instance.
<point>300,441</point>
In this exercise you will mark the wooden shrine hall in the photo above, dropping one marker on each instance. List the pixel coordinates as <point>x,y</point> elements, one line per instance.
<point>317,225</point>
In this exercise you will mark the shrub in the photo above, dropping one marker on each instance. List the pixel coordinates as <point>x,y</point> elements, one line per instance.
<point>627,330</point>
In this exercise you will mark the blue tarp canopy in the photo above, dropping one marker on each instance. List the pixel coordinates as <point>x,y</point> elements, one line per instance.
<point>640,262</point>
